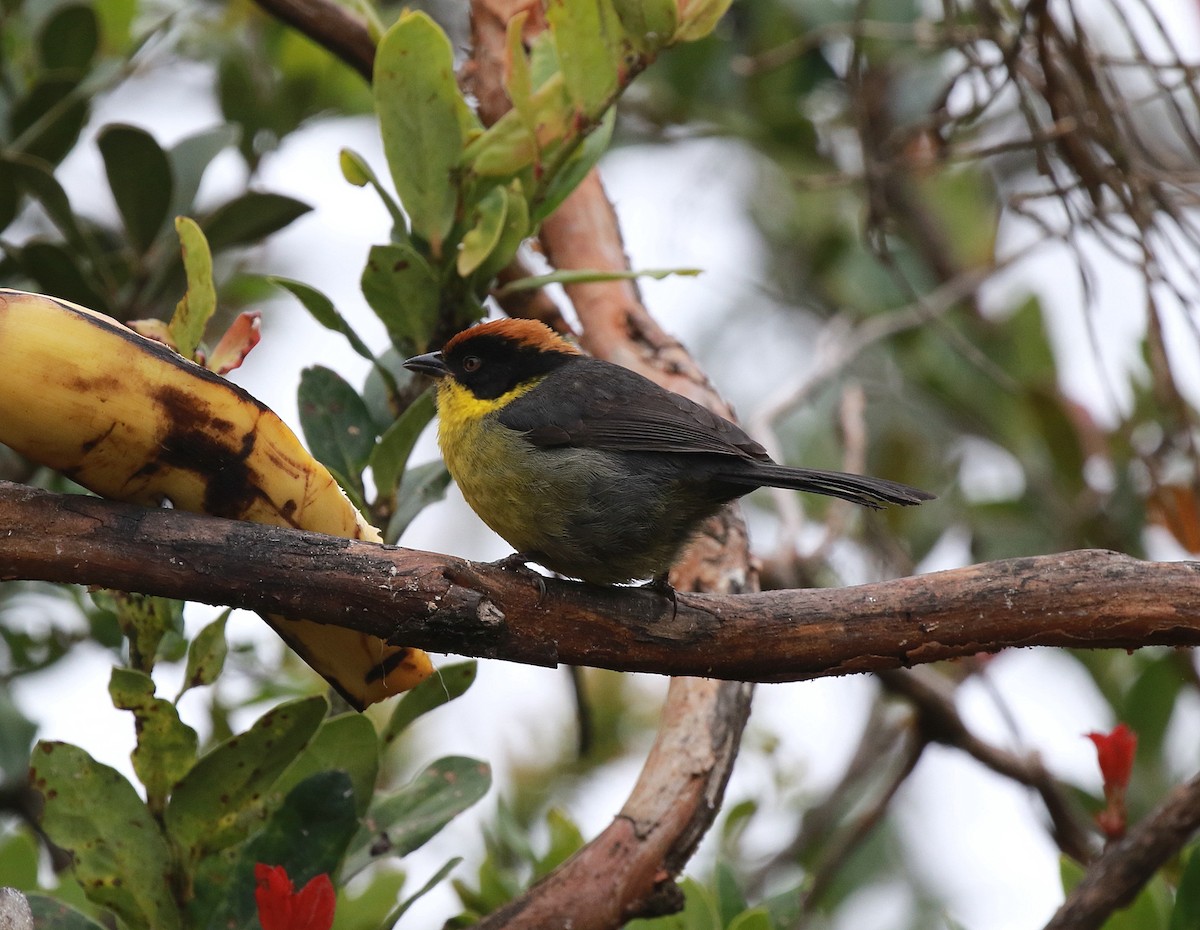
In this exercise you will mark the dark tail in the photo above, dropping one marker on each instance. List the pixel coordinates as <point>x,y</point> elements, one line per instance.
<point>858,489</point>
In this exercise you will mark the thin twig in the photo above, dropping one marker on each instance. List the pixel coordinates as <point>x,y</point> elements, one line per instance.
<point>941,722</point>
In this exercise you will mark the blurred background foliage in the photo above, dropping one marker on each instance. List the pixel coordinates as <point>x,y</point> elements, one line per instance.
<point>908,162</point>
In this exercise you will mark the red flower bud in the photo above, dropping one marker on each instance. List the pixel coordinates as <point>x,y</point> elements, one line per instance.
<point>1115,751</point>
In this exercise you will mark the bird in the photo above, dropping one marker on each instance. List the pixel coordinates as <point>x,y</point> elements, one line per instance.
<point>589,469</point>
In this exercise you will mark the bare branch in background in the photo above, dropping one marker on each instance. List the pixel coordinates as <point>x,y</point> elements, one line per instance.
<point>1115,878</point>
<point>938,718</point>
<point>330,25</point>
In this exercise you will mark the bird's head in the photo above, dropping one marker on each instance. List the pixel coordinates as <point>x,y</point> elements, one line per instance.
<point>492,359</point>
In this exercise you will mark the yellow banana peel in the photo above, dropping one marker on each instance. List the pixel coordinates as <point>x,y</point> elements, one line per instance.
<point>131,420</point>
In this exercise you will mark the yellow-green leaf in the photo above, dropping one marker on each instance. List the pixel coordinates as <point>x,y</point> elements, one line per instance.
<point>649,24</point>
<point>119,854</point>
<point>698,18</point>
<point>517,228</point>
<point>422,122</point>
<point>588,37</point>
<point>200,302</point>
<point>481,239</point>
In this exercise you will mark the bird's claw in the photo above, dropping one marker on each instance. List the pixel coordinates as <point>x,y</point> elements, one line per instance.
<point>519,562</point>
<point>660,585</point>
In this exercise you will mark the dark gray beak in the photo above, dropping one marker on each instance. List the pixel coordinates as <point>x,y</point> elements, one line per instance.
<point>431,363</point>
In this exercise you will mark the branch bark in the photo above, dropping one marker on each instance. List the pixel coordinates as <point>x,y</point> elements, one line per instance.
<point>940,722</point>
<point>331,26</point>
<point>1082,599</point>
<point>1112,881</point>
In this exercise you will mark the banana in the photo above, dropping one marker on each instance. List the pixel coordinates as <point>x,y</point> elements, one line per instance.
<point>131,420</point>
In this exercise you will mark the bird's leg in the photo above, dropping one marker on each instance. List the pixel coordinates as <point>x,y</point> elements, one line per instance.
<point>660,585</point>
<point>519,562</point>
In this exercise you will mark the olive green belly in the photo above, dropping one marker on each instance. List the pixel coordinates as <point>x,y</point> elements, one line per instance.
<point>603,517</point>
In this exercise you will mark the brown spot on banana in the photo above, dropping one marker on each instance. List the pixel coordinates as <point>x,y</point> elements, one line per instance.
<point>132,420</point>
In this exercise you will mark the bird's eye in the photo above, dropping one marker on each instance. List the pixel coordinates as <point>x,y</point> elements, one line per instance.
<point>472,363</point>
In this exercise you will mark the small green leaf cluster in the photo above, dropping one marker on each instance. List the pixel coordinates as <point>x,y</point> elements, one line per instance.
<point>60,62</point>
<point>302,787</point>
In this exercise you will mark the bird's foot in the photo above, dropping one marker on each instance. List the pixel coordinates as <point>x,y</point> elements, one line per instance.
<point>660,585</point>
<point>519,562</point>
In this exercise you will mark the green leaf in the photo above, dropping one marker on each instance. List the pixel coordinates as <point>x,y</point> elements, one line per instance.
<point>69,39</point>
<point>9,195</point>
<point>1150,909</point>
<point>569,176</point>
<point>16,737</point>
<point>52,914</point>
<point>197,306</point>
<point>190,158</point>
<point>422,485</point>
<point>730,900</point>
<point>518,76</point>
<point>344,743</point>
<point>120,857</point>
<point>36,178</point>
<point>434,881</point>
<point>250,217</point>
<point>508,146</point>
<point>517,229</point>
<point>139,174</point>
<point>1186,913</point>
<point>206,655</point>
<point>62,272</point>
<point>116,18</point>
<point>700,19</point>
<point>1151,700</point>
<point>311,830</point>
<point>587,35</point>
<point>442,687</point>
<point>46,122</point>
<point>166,746</point>
<point>324,312</point>
<point>307,835</point>
<point>420,118</point>
<point>584,276</point>
<point>565,840</point>
<point>19,854</point>
<point>756,919</point>
<point>396,444</point>
<point>145,621</point>
<point>337,425</point>
<point>221,799</point>
<point>369,909</point>
<point>649,24</point>
<point>407,819</point>
<point>543,61</point>
<point>482,238</point>
<point>699,912</point>
<point>356,170</point>
<point>404,293</point>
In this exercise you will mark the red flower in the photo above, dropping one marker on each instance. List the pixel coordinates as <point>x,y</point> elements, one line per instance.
<point>1115,751</point>
<point>282,908</point>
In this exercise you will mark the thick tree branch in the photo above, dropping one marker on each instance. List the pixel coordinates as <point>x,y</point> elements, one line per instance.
<point>1089,598</point>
